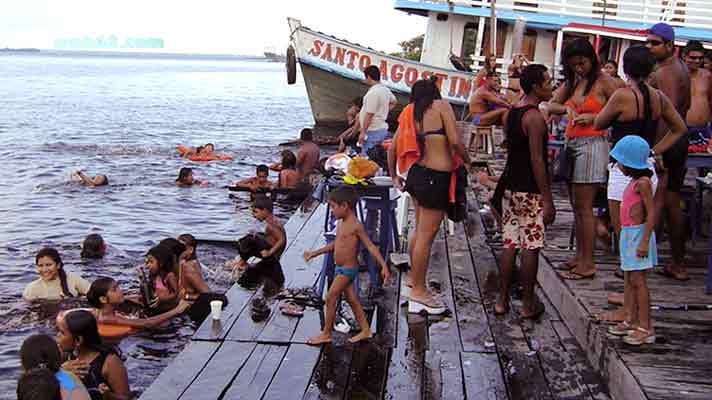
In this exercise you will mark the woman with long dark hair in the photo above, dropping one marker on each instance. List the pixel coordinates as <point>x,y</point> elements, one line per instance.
<point>106,376</point>
<point>54,282</point>
<point>93,246</point>
<point>636,110</point>
<point>582,95</point>
<point>440,151</point>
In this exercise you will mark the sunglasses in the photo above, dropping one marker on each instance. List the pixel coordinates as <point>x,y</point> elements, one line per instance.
<point>654,42</point>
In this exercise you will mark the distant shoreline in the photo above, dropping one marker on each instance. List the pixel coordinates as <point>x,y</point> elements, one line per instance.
<point>137,53</point>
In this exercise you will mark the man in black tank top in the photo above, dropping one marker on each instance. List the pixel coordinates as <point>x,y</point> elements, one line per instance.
<point>527,205</point>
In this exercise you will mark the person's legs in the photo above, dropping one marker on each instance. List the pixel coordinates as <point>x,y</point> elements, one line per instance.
<point>493,117</point>
<point>614,208</point>
<point>332,297</point>
<point>530,268</point>
<point>677,226</point>
<point>505,279</point>
<point>585,235</point>
<point>428,224</point>
<point>356,307</point>
<point>413,239</point>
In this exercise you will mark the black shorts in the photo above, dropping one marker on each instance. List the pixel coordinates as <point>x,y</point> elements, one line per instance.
<point>430,188</point>
<point>675,161</point>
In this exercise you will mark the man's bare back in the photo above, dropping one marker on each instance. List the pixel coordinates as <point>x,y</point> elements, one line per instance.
<point>699,113</point>
<point>307,158</point>
<point>274,234</point>
<point>671,76</point>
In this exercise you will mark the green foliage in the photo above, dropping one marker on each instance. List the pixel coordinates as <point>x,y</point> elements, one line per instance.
<point>411,48</point>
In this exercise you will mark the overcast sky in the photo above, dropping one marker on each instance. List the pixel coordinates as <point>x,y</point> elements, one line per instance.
<point>205,26</point>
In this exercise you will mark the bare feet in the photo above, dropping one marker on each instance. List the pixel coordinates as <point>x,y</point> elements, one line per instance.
<point>570,264</point>
<point>675,271</point>
<point>318,340</point>
<point>501,308</point>
<point>532,312</point>
<point>579,273</point>
<point>365,334</point>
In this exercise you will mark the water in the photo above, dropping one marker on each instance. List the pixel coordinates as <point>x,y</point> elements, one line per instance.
<point>123,116</point>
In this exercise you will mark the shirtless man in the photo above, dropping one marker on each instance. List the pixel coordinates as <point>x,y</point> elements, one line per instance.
<point>307,155</point>
<point>487,105</point>
<point>671,76</point>
<point>700,112</point>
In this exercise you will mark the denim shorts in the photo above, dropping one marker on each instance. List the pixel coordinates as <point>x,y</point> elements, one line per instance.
<point>589,159</point>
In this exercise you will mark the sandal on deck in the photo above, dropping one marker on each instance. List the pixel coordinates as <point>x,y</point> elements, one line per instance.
<point>621,329</point>
<point>664,271</point>
<point>639,337</point>
<point>292,309</point>
<point>577,276</point>
<point>429,306</point>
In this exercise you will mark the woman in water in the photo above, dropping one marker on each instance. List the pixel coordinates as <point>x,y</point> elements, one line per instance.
<point>429,181</point>
<point>40,352</point>
<point>105,295</point>
<point>185,178</point>
<point>54,282</point>
<point>583,94</point>
<point>99,180</point>
<point>160,262</point>
<point>93,246</point>
<point>193,283</point>
<point>288,176</point>
<point>106,377</point>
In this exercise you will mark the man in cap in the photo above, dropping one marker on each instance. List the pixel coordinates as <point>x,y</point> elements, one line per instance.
<point>672,77</point>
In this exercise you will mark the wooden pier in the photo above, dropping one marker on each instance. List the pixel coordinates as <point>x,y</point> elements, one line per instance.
<point>468,354</point>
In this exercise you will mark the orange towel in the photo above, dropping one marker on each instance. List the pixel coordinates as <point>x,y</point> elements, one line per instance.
<point>407,149</point>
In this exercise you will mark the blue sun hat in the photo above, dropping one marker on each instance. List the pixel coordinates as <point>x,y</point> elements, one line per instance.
<point>632,151</point>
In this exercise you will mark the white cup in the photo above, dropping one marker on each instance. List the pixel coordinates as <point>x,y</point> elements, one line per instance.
<point>216,308</point>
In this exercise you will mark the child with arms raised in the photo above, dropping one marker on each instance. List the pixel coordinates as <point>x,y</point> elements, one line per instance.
<point>349,233</point>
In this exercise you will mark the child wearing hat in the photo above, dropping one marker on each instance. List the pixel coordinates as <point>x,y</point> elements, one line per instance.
<point>637,239</point>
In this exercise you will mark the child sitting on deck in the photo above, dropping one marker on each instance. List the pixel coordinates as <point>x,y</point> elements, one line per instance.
<point>268,270</point>
<point>638,251</point>
<point>349,233</point>
<point>259,182</point>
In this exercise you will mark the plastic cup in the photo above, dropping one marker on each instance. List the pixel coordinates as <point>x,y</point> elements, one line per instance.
<point>216,308</point>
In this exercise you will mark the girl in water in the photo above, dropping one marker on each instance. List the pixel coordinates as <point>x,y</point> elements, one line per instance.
<point>185,178</point>
<point>193,283</point>
<point>106,376</point>
<point>162,275</point>
<point>288,176</point>
<point>41,353</point>
<point>93,246</point>
<point>54,282</point>
<point>105,295</point>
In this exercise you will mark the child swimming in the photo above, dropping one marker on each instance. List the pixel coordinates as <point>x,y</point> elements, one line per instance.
<point>54,282</point>
<point>93,246</point>
<point>349,233</point>
<point>162,275</point>
<point>105,295</point>
<point>98,180</point>
<point>41,362</point>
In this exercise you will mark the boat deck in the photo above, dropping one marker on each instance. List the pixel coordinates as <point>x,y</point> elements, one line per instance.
<point>467,354</point>
<point>679,364</point>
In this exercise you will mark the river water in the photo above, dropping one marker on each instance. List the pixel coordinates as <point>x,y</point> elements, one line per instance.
<point>123,116</point>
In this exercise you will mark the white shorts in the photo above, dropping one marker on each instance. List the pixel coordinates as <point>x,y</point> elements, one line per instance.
<point>617,181</point>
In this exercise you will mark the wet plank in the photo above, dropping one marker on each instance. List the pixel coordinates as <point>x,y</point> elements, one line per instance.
<point>386,314</point>
<point>219,371</point>
<point>257,373</point>
<point>443,332</point>
<point>309,325</point>
<point>483,377</point>
<point>469,311</point>
<point>331,375</point>
<point>171,383</point>
<point>443,378</point>
<point>238,299</point>
<point>369,362</point>
<point>295,372</point>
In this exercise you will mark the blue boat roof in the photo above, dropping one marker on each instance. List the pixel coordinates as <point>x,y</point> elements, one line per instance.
<point>541,21</point>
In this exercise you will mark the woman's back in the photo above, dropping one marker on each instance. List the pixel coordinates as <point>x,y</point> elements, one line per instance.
<point>436,153</point>
<point>635,116</point>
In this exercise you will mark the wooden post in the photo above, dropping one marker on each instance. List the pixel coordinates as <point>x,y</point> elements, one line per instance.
<point>557,54</point>
<point>493,28</point>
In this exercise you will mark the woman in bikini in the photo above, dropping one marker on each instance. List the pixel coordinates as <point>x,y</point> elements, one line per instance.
<point>583,94</point>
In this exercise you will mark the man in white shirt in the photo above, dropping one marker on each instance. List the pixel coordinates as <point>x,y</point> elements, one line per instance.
<point>377,102</point>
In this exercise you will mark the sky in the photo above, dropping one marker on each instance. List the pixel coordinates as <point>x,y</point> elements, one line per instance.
<point>206,26</point>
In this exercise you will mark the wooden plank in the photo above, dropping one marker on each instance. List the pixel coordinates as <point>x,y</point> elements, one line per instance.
<point>171,383</point>
<point>443,332</point>
<point>308,326</point>
<point>225,364</point>
<point>331,376</point>
<point>483,377</point>
<point>369,363</point>
<point>210,329</point>
<point>257,373</point>
<point>469,311</point>
<point>295,372</point>
<point>386,314</point>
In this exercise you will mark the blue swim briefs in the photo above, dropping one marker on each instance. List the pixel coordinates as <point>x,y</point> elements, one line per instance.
<point>346,271</point>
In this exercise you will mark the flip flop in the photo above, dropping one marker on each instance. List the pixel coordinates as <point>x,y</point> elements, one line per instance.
<point>575,276</point>
<point>664,271</point>
<point>312,342</point>
<point>538,311</point>
<point>291,309</point>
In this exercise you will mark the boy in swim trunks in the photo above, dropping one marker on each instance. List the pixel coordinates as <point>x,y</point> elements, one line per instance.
<point>349,233</point>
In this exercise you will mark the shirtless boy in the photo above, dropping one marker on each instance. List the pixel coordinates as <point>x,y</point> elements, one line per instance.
<point>259,182</point>
<point>349,233</point>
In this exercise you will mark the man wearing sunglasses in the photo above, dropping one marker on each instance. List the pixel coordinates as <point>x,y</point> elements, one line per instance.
<point>672,77</point>
<point>700,113</point>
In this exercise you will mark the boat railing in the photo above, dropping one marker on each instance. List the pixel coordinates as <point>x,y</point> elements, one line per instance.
<point>687,13</point>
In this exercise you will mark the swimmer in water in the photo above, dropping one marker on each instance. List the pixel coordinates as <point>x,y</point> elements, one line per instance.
<point>98,180</point>
<point>160,263</point>
<point>207,150</point>
<point>193,282</point>
<point>258,183</point>
<point>93,246</point>
<point>54,282</point>
<point>105,295</point>
<point>288,175</point>
<point>185,178</point>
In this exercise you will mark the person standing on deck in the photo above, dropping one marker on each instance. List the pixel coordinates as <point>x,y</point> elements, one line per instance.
<point>583,94</point>
<point>377,102</point>
<point>672,77</point>
<point>527,204</point>
<point>699,114</point>
<point>307,155</point>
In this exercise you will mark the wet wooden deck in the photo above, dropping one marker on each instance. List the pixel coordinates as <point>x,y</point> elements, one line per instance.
<point>468,354</point>
<point>679,365</point>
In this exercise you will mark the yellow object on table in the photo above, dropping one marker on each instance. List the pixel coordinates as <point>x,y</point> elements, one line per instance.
<point>361,168</point>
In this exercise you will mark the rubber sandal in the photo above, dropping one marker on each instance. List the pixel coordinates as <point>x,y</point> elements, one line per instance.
<point>575,276</point>
<point>291,309</point>
<point>621,329</point>
<point>666,273</point>
<point>647,338</point>
<point>432,307</point>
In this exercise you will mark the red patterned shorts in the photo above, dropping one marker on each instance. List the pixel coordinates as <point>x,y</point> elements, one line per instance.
<point>522,221</point>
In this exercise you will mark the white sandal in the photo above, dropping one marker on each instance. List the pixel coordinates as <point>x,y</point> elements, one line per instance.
<point>648,338</point>
<point>432,307</point>
<point>623,328</point>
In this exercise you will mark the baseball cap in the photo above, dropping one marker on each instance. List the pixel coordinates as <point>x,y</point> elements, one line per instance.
<point>665,31</point>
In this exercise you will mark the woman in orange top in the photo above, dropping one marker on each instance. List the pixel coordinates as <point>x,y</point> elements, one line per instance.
<point>583,95</point>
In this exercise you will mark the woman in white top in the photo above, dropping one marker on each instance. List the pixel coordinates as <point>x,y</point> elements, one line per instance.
<point>54,283</point>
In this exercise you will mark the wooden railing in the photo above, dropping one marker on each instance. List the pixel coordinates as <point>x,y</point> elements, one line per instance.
<point>687,13</point>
